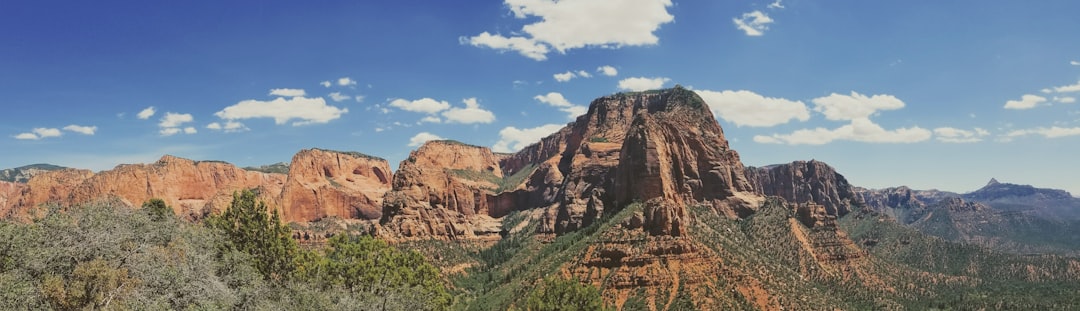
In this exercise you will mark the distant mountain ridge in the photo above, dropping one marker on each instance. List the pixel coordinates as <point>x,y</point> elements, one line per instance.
<point>23,174</point>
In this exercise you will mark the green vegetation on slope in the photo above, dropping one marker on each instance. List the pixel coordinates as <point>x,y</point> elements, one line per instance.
<point>105,256</point>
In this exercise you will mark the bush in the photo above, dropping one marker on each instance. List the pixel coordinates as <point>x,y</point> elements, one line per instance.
<point>562,294</point>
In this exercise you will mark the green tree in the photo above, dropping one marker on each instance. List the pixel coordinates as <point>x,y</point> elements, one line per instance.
<point>157,209</point>
<point>563,294</point>
<point>362,264</point>
<point>247,227</point>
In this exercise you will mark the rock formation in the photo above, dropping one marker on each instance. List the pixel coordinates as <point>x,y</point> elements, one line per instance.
<point>324,183</point>
<point>320,184</point>
<point>803,182</point>
<point>444,190</point>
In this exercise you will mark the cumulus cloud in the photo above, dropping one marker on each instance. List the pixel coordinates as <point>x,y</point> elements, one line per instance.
<point>1026,102</point>
<point>608,71</point>
<point>305,110</point>
<point>1065,99</point>
<point>39,133</point>
<point>85,130</point>
<point>346,81</point>
<point>1068,88</point>
<point>861,130</point>
<point>325,83</point>
<point>424,105</point>
<point>754,23</point>
<point>746,108</point>
<point>570,24</point>
<point>431,119</point>
<point>776,5</point>
<point>287,92</point>
<point>175,119</point>
<point>228,127</point>
<point>471,113</point>
<point>338,97</point>
<point>146,113</point>
<point>1048,132</point>
<point>955,135</point>
<point>1074,63</point>
<point>512,139</point>
<point>421,138</point>
<point>172,122</point>
<point>854,106</point>
<point>563,77</point>
<point>638,84</point>
<point>558,101</point>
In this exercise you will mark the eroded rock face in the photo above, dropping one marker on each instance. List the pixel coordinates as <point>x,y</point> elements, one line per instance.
<point>803,182</point>
<point>443,191</point>
<point>193,189</point>
<point>324,183</point>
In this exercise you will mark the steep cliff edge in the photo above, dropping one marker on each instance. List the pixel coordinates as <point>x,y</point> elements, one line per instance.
<point>805,182</point>
<point>443,191</point>
<point>324,183</point>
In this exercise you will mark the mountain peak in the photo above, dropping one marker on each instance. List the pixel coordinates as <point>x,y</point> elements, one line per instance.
<point>993,181</point>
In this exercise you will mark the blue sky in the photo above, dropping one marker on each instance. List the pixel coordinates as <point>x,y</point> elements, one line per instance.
<point>928,94</point>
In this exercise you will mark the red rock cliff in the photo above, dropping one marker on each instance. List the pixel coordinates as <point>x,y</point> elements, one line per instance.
<point>324,183</point>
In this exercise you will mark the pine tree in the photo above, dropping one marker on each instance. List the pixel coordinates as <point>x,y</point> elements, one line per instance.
<point>248,228</point>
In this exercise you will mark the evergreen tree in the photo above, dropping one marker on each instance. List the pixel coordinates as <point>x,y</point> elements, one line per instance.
<point>157,209</point>
<point>247,227</point>
<point>563,294</point>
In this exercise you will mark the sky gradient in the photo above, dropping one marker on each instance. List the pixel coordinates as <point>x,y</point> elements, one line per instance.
<point>926,94</point>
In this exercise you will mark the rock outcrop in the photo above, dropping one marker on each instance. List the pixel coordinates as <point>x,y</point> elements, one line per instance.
<point>23,174</point>
<point>444,190</point>
<point>803,182</point>
<point>319,184</point>
<point>323,183</point>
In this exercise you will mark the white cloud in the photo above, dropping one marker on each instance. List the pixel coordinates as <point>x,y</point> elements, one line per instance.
<point>608,71</point>
<point>750,109</point>
<point>425,105</point>
<point>288,92</point>
<point>346,81</point>
<point>955,135</point>
<point>190,130</point>
<point>1068,88</point>
<point>306,110</point>
<point>421,138</point>
<point>338,97</point>
<point>638,84</point>
<point>175,119</point>
<point>526,47</point>
<point>358,98</point>
<point>472,113</point>
<point>39,133</point>
<point>563,77</point>
<point>85,130</point>
<point>431,119</point>
<point>169,131</point>
<point>570,24</point>
<point>854,106</point>
<point>861,130</point>
<point>27,136</point>
<point>1065,99</point>
<point>325,83</point>
<point>584,74</point>
<point>1051,132</point>
<point>776,5</point>
<point>146,113</point>
<point>754,23</point>
<point>1074,63</point>
<point>1027,101</point>
<point>512,139</point>
<point>558,101</point>
<point>229,126</point>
